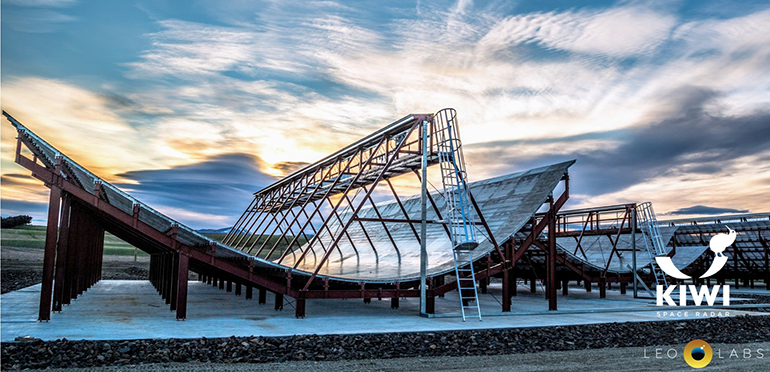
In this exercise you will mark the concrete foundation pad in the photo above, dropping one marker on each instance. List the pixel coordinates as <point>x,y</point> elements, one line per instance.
<point>126,309</point>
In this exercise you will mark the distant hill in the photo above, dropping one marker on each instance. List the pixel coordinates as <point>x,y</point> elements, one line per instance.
<point>223,230</point>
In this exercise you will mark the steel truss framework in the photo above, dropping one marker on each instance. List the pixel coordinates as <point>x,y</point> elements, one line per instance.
<point>749,254</point>
<point>311,213</point>
<point>608,223</point>
<point>83,207</point>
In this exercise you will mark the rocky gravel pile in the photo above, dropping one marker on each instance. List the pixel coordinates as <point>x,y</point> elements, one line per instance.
<point>129,273</point>
<point>13,279</point>
<point>65,353</point>
<point>18,279</point>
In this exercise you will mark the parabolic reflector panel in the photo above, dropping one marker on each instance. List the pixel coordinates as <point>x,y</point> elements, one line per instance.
<point>507,203</point>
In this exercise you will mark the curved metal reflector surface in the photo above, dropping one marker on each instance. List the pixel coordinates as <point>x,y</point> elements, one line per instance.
<point>507,203</point>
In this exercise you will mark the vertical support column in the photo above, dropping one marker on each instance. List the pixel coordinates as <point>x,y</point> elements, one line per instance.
<point>229,286</point>
<point>74,243</point>
<point>237,289</point>
<point>602,287</point>
<point>153,269</point>
<point>532,285</point>
<point>299,308</point>
<point>565,287</point>
<point>168,278</point>
<point>61,254</point>
<point>623,288</point>
<point>439,280</point>
<point>506,292</point>
<point>394,303</point>
<point>633,250</point>
<point>507,275</point>
<point>278,301</point>
<point>249,292</point>
<point>430,305</point>
<point>49,256</point>
<point>262,296</point>
<point>99,254</point>
<point>423,221</point>
<point>183,265</point>
<point>766,247</point>
<point>174,280</point>
<point>587,284</point>
<point>551,285</point>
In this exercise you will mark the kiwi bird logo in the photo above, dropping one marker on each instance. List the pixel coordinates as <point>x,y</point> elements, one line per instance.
<point>719,242</point>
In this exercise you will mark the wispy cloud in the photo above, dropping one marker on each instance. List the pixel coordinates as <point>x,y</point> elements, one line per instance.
<point>625,31</point>
<point>36,16</point>
<point>655,103</point>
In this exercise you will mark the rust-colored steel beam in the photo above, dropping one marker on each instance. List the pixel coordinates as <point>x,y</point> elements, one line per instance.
<point>61,253</point>
<point>49,255</point>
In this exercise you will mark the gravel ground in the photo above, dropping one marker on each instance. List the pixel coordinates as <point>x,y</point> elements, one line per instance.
<point>23,267</point>
<point>65,353</point>
<point>596,360</point>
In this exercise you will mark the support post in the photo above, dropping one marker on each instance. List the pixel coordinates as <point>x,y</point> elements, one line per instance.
<point>602,287</point>
<point>633,250</point>
<point>49,255</point>
<point>249,291</point>
<point>262,296</point>
<point>299,308</point>
<point>423,222</point>
<point>174,260</point>
<point>430,305</point>
<point>181,291</point>
<point>551,285</point>
<point>61,255</point>
<point>278,301</point>
<point>506,288</point>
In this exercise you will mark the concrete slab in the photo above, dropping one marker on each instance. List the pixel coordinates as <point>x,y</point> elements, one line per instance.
<point>124,309</point>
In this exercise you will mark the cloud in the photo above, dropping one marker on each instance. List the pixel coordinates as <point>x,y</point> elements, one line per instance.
<point>210,193</point>
<point>36,16</point>
<point>82,124</point>
<point>683,147</point>
<point>41,3</point>
<point>288,167</point>
<point>625,31</point>
<point>704,210</point>
<point>643,96</point>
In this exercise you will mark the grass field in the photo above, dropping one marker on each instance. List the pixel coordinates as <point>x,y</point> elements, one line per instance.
<point>33,237</point>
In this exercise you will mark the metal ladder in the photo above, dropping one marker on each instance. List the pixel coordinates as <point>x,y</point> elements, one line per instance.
<point>458,205</point>
<point>466,281</point>
<point>653,240</point>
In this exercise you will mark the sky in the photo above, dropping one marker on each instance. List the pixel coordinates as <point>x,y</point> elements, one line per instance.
<point>191,106</point>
